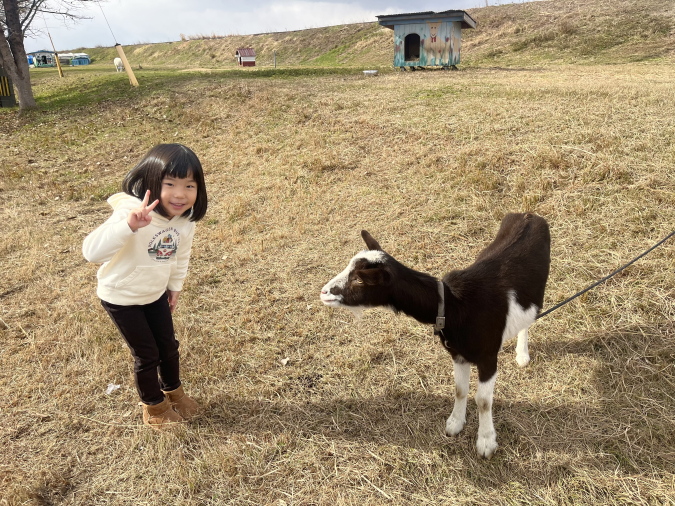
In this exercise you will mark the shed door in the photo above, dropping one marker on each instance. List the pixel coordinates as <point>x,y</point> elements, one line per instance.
<point>412,47</point>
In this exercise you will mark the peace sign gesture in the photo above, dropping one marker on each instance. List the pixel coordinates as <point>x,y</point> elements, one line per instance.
<point>138,218</point>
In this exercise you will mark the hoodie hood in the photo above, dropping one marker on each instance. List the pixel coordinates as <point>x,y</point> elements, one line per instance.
<point>123,201</point>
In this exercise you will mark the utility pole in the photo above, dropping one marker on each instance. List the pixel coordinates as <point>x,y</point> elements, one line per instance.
<point>58,63</point>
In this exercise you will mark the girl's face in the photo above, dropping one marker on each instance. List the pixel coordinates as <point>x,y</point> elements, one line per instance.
<point>178,195</point>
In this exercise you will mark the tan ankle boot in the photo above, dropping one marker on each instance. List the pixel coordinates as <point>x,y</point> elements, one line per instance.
<point>182,404</point>
<point>161,416</point>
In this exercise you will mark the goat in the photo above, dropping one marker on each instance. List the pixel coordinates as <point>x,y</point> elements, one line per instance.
<point>118,64</point>
<point>486,304</point>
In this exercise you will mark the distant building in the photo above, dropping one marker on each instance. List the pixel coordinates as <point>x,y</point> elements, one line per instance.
<point>43,58</point>
<point>245,56</point>
<point>430,38</point>
<point>74,59</point>
<point>80,59</point>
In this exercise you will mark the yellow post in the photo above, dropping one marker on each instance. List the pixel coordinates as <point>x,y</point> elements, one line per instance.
<point>127,67</point>
<point>58,63</point>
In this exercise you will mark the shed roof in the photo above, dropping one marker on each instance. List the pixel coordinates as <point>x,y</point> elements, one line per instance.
<point>42,51</point>
<point>73,55</point>
<point>389,20</point>
<point>245,51</point>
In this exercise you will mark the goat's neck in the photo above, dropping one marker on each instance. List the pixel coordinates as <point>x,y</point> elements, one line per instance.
<point>416,294</point>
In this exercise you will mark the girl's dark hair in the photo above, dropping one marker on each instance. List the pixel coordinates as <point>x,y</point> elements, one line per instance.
<point>164,160</point>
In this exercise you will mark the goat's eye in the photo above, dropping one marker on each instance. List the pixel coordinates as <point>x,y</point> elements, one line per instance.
<point>358,281</point>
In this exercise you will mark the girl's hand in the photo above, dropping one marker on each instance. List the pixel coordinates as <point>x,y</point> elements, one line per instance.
<point>138,218</point>
<point>173,299</point>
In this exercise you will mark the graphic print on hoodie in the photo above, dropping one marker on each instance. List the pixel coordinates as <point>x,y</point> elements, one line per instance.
<point>164,244</point>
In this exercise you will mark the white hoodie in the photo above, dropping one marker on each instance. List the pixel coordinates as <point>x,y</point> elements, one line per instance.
<point>138,267</point>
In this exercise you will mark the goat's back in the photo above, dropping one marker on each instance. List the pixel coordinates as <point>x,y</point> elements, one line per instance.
<point>520,235</point>
<point>518,259</point>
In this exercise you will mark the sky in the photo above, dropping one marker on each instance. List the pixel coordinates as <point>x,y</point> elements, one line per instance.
<point>144,21</point>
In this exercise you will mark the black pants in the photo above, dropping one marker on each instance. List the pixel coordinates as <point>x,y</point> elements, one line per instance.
<point>148,331</point>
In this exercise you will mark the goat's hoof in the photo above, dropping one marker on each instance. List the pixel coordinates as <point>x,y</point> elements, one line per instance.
<point>486,445</point>
<point>522,360</point>
<point>453,426</point>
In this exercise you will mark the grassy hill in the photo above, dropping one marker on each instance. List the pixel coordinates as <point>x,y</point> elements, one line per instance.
<point>348,45</point>
<point>572,31</point>
<point>556,31</point>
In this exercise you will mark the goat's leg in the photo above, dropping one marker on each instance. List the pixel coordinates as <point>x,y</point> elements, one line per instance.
<point>487,437</point>
<point>522,353</point>
<point>462,373</point>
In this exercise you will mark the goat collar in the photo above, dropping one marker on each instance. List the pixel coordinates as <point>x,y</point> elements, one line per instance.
<point>440,319</point>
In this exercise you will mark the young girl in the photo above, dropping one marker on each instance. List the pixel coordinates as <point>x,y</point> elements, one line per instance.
<point>145,250</point>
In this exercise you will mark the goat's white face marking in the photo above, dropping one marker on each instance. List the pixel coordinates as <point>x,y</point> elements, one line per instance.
<point>340,281</point>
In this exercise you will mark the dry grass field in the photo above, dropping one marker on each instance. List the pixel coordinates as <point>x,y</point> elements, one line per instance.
<point>297,165</point>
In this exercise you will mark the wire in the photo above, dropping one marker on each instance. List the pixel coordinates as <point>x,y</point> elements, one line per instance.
<point>106,21</point>
<point>45,22</point>
<point>606,277</point>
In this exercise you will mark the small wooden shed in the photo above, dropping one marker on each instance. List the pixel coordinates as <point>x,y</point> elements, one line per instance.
<point>245,56</point>
<point>7,98</point>
<point>429,38</point>
<point>44,58</point>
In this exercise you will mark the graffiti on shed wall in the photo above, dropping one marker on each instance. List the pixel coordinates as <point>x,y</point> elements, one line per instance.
<point>427,44</point>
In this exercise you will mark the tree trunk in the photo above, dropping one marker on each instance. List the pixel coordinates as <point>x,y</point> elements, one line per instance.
<point>13,55</point>
<point>24,94</point>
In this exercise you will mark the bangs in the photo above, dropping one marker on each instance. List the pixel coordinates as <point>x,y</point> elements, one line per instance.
<point>183,164</point>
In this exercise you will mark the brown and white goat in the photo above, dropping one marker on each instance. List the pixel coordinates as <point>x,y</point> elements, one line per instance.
<point>486,304</point>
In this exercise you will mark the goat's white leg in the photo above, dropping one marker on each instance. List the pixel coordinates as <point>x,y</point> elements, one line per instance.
<point>522,353</point>
<point>462,373</point>
<point>487,437</point>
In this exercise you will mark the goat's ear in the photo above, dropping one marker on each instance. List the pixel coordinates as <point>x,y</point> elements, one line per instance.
<point>374,277</point>
<point>370,242</point>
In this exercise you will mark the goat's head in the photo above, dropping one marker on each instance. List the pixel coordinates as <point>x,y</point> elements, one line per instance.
<point>363,283</point>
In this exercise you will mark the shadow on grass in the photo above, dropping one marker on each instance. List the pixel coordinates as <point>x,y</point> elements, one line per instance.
<point>628,427</point>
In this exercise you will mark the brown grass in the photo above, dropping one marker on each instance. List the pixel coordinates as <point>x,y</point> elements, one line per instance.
<point>428,163</point>
<point>571,31</point>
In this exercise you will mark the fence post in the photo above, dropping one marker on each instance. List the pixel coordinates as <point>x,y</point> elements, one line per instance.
<point>127,67</point>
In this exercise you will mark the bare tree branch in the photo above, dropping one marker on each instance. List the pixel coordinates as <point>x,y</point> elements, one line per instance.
<point>28,10</point>
<point>28,20</point>
<point>67,10</point>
